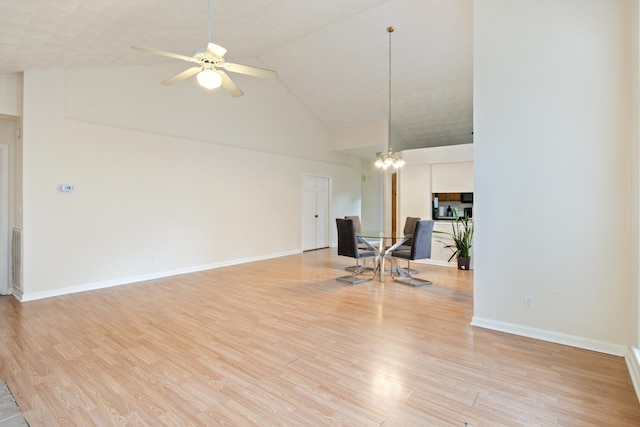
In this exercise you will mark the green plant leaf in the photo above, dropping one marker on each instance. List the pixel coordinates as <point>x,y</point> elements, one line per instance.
<point>462,235</point>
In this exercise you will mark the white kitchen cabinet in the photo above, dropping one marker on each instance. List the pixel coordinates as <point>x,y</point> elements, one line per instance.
<point>440,254</point>
<point>452,177</point>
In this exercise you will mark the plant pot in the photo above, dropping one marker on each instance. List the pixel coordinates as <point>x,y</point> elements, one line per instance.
<point>463,263</point>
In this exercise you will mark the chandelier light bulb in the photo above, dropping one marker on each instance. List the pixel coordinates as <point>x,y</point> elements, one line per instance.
<point>209,79</point>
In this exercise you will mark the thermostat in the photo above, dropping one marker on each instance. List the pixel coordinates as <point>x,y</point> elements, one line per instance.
<point>66,188</point>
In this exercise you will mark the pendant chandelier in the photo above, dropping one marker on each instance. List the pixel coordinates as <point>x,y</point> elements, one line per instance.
<point>389,159</point>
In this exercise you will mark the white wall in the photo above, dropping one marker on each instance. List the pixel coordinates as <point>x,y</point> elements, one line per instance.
<point>446,154</point>
<point>634,301</point>
<point>372,134</point>
<point>267,118</point>
<point>372,196</point>
<point>552,114</point>
<point>414,192</point>
<point>10,94</point>
<point>163,188</point>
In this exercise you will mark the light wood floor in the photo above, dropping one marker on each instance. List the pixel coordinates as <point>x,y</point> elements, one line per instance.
<point>281,342</point>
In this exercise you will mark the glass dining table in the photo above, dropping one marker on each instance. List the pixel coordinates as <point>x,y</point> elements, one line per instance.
<point>380,241</point>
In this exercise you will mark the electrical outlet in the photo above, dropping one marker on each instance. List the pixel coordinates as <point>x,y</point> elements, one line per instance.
<point>528,301</point>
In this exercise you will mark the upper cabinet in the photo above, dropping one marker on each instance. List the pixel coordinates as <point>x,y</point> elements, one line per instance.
<point>446,197</point>
<point>452,177</point>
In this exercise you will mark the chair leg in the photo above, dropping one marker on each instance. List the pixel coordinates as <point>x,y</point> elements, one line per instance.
<point>399,270</point>
<point>354,279</point>
<point>407,278</point>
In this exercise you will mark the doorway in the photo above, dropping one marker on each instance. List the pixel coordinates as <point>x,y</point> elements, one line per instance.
<point>7,129</point>
<point>394,203</point>
<point>315,212</point>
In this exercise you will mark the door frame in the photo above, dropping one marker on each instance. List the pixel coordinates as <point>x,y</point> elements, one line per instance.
<point>6,287</point>
<point>394,203</point>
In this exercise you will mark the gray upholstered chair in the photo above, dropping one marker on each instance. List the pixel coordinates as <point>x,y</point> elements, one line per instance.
<point>363,246</point>
<point>419,249</point>
<point>356,222</point>
<point>409,227</point>
<point>348,246</point>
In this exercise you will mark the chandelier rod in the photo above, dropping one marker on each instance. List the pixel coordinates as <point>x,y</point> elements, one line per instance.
<point>388,158</point>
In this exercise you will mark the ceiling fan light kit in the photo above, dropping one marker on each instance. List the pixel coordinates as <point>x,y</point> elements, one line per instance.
<point>389,159</point>
<point>210,69</point>
<point>209,79</point>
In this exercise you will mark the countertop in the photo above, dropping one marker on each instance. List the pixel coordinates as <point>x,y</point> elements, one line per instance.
<point>447,220</point>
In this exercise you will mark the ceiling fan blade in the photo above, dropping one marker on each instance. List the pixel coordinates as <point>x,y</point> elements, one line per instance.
<point>215,50</point>
<point>229,85</point>
<point>181,76</point>
<point>250,71</point>
<point>163,53</point>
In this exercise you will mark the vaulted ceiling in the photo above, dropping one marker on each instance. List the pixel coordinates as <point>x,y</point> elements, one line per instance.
<point>331,54</point>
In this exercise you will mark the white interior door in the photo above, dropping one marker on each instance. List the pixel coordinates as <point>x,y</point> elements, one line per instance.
<point>315,212</point>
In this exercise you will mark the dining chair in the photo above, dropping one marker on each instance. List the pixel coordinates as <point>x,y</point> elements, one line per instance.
<point>356,221</point>
<point>348,246</point>
<point>419,249</point>
<point>409,228</point>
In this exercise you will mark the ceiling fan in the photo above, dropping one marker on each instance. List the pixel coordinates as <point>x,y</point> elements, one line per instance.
<point>211,67</point>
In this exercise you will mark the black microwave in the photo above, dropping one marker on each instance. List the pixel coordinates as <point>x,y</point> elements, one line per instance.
<point>466,197</point>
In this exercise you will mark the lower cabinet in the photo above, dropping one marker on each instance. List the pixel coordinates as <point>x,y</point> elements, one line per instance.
<point>438,251</point>
<point>439,254</point>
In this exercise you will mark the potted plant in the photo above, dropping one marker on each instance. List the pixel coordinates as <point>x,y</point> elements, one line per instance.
<point>462,236</point>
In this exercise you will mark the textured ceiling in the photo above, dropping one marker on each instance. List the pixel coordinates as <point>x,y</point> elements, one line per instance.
<point>331,54</point>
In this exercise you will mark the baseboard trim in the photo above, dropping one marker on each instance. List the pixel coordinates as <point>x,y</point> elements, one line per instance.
<point>436,262</point>
<point>633,365</point>
<point>555,337</point>
<point>17,293</point>
<point>26,297</point>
